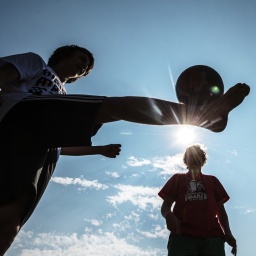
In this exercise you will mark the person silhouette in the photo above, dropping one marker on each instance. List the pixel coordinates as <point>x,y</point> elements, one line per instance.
<point>198,222</point>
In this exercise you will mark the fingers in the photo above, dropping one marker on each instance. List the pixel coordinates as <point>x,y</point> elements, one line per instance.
<point>232,242</point>
<point>116,145</point>
<point>113,150</point>
<point>116,148</point>
<point>234,251</point>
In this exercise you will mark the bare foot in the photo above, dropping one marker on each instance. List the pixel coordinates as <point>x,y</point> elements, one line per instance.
<point>234,96</point>
<point>215,116</point>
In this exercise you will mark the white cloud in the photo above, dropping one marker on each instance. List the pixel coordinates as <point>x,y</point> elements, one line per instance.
<point>156,232</point>
<point>153,217</point>
<point>87,230</point>
<point>107,244</point>
<point>94,222</point>
<point>79,182</point>
<point>137,162</point>
<point>122,226</point>
<point>166,165</point>
<point>126,132</point>
<point>110,215</point>
<point>142,197</point>
<point>169,165</point>
<point>245,210</point>
<point>113,174</point>
<point>234,152</point>
<point>249,211</point>
<point>133,216</point>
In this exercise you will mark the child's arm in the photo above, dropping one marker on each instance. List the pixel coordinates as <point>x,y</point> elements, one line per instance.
<point>172,222</point>
<point>111,150</point>
<point>223,219</point>
<point>8,74</point>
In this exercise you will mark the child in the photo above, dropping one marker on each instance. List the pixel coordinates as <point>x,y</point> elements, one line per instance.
<point>198,222</point>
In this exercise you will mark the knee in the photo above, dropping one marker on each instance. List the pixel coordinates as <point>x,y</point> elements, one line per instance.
<point>8,232</point>
<point>11,216</point>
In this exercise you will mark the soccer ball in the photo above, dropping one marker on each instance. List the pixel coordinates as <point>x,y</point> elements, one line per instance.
<point>199,85</point>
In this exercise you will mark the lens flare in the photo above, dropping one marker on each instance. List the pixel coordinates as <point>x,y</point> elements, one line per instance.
<point>215,89</point>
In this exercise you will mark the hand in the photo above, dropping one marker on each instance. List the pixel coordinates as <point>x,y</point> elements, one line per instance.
<point>173,224</point>
<point>232,242</point>
<point>111,150</point>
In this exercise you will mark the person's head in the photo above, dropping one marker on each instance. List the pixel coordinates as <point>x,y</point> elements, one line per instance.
<point>66,52</point>
<point>194,156</point>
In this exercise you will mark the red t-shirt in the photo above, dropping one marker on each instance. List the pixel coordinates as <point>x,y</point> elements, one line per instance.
<point>196,203</point>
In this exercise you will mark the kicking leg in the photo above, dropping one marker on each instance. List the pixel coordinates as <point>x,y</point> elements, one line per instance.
<point>141,110</point>
<point>159,112</point>
<point>11,217</point>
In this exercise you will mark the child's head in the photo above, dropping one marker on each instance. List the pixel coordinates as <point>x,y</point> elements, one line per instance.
<point>67,51</point>
<point>194,155</point>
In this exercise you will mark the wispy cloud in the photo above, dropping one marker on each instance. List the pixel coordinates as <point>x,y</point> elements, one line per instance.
<point>137,162</point>
<point>234,152</point>
<point>80,182</point>
<point>153,216</point>
<point>156,232</point>
<point>169,165</point>
<point>244,210</point>
<point>94,222</point>
<point>249,211</point>
<point>55,244</point>
<point>113,174</point>
<point>142,197</point>
<point>166,165</point>
<point>133,216</point>
<point>110,215</point>
<point>126,132</point>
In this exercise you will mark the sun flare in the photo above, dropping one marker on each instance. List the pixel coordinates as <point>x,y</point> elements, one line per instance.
<point>185,135</point>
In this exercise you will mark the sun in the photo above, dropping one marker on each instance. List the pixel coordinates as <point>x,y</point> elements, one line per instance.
<point>185,135</point>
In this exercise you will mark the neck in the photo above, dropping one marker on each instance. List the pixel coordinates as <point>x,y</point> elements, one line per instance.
<point>195,173</point>
<point>59,73</point>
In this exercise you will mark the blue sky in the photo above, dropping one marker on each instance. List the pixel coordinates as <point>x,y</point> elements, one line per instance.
<point>99,206</point>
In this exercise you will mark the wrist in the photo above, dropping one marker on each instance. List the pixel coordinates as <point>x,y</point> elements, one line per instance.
<point>98,150</point>
<point>227,232</point>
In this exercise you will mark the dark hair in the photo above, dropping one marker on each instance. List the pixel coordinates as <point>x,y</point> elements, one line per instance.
<point>195,150</point>
<point>67,51</point>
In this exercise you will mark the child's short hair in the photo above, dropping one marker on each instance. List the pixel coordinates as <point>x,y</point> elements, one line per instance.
<point>66,51</point>
<point>195,150</point>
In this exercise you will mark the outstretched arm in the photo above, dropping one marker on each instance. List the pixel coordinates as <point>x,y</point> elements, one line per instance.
<point>111,150</point>
<point>223,219</point>
<point>8,74</point>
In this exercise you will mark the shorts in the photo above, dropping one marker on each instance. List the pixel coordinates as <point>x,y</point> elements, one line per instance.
<point>195,246</point>
<point>31,134</point>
